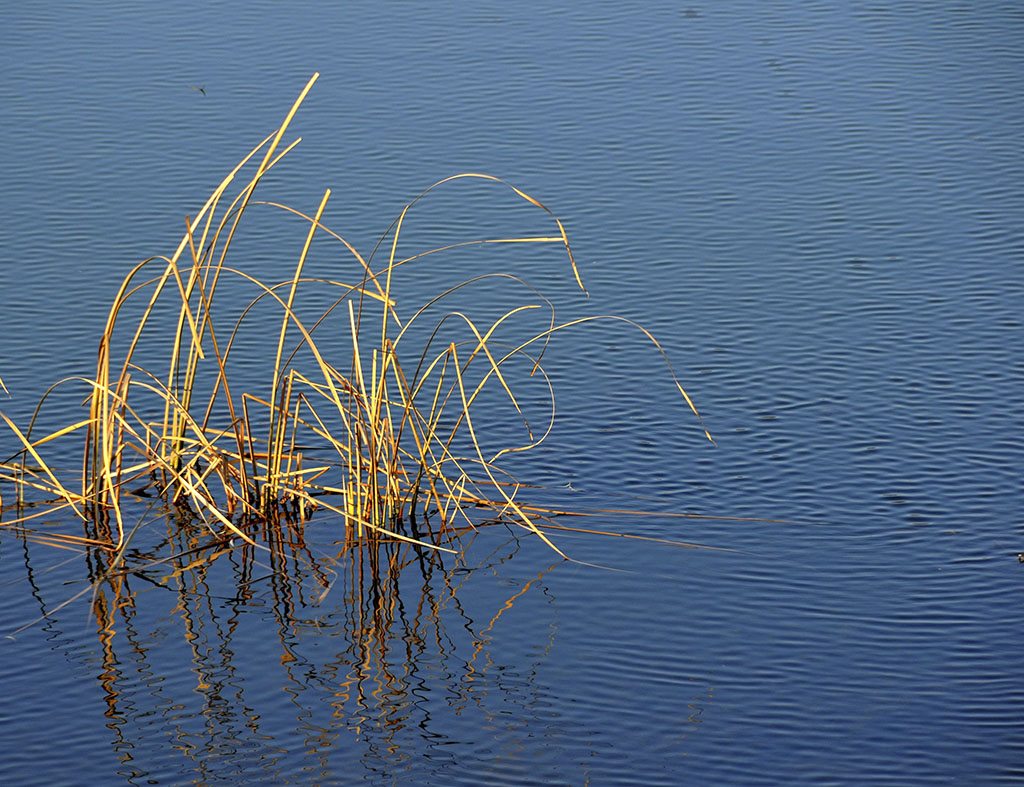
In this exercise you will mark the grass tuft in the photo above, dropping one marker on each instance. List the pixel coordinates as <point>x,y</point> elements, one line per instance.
<point>391,448</point>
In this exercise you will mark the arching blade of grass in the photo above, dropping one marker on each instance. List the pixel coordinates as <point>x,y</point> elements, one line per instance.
<point>75,501</point>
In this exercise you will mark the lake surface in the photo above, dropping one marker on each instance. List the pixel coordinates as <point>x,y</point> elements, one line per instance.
<point>817,210</point>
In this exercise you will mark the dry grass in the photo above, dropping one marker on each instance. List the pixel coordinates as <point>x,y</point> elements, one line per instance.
<point>361,436</point>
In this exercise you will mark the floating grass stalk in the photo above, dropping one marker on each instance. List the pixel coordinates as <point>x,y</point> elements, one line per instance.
<point>357,436</point>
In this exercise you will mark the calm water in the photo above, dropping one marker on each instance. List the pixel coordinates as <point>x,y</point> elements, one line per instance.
<point>816,208</point>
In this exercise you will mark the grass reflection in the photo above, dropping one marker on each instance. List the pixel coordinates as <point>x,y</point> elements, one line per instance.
<point>366,650</point>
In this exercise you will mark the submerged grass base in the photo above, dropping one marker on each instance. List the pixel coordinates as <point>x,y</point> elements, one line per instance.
<point>390,448</point>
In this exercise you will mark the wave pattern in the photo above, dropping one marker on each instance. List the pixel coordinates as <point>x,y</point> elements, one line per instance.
<point>816,208</point>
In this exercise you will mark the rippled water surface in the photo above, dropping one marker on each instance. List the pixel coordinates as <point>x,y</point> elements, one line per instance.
<point>815,207</point>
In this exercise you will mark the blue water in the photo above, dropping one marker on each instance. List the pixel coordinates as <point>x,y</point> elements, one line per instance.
<point>815,207</point>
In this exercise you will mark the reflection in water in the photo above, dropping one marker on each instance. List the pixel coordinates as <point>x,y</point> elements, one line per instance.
<point>361,647</point>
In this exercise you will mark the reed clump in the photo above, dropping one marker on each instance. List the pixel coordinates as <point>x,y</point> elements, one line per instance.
<point>365,436</point>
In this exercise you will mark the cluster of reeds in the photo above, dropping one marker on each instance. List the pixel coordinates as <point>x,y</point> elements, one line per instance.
<point>364,436</point>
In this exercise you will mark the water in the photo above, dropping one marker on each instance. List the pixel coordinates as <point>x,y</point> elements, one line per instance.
<point>816,211</point>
